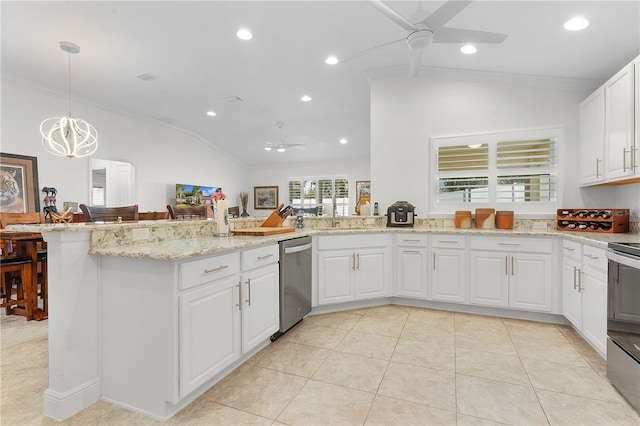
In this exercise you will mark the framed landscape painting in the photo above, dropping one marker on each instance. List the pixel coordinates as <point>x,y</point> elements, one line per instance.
<point>19,184</point>
<point>265,197</point>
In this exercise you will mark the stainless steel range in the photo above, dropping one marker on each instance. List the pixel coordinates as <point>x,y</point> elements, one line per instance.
<point>623,320</point>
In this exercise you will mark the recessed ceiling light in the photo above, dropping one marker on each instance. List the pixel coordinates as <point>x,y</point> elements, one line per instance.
<point>305,98</point>
<point>244,34</point>
<point>331,60</point>
<point>211,113</point>
<point>468,49</point>
<point>280,149</point>
<point>576,24</point>
<point>343,141</point>
<point>267,148</point>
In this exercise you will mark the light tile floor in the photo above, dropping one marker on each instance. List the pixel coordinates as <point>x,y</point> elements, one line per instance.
<point>377,366</point>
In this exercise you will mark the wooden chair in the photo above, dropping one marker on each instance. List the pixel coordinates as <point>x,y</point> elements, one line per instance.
<point>199,212</point>
<point>234,211</point>
<point>109,214</point>
<point>153,215</point>
<point>15,286</point>
<point>15,272</point>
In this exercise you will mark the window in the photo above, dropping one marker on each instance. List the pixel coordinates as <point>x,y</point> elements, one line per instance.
<point>315,196</point>
<point>515,170</point>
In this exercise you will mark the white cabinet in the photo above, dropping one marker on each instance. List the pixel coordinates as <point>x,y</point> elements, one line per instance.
<point>585,292</point>
<point>448,268</point>
<point>619,124</point>
<point>592,137</point>
<point>411,266</point>
<point>609,130</point>
<point>209,331</point>
<point>511,272</point>
<point>353,267</point>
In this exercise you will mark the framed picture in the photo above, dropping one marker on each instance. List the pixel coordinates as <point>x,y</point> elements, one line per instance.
<point>19,184</point>
<point>265,197</point>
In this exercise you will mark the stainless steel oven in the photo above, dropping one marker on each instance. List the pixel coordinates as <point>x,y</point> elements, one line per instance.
<point>623,320</point>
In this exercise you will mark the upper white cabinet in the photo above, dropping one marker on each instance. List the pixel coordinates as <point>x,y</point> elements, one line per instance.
<point>609,126</point>
<point>353,267</point>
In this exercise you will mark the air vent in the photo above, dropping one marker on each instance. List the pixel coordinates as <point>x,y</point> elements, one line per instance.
<point>233,100</point>
<point>146,77</point>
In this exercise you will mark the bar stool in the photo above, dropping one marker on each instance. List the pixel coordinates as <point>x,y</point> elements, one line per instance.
<point>16,278</point>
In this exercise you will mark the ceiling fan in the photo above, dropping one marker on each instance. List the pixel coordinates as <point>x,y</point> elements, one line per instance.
<point>282,146</point>
<point>429,30</point>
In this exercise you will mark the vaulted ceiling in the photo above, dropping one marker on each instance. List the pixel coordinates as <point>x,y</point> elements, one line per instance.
<point>195,62</point>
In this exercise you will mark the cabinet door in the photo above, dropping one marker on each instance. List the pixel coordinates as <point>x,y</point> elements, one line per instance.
<point>209,332</point>
<point>448,275</point>
<point>571,296</point>
<point>335,276</point>
<point>260,306</point>
<point>373,274</point>
<point>619,122</point>
<point>411,272</point>
<point>594,302</point>
<point>592,138</point>
<point>530,282</point>
<point>489,282</point>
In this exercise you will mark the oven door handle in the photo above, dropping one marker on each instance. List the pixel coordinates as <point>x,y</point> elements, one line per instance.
<point>631,261</point>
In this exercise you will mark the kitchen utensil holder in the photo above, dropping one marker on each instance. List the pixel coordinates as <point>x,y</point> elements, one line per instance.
<point>618,220</point>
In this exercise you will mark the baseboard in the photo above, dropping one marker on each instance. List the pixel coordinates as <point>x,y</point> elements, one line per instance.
<point>62,405</point>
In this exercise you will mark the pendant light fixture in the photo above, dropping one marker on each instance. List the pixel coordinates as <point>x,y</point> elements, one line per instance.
<point>66,136</point>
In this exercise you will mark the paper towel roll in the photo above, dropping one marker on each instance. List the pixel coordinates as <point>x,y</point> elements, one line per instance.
<point>222,224</point>
<point>365,210</point>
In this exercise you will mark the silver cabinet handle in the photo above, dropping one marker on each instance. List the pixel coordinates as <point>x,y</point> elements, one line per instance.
<point>358,259</point>
<point>580,288</point>
<point>591,257</point>
<point>575,269</point>
<point>598,161</point>
<point>239,304</point>
<point>634,160</point>
<point>411,241</point>
<point>265,256</point>
<point>624,159</point>
<point>508,244</point>
<point>512,266</point>
<point>353,265</point>
<point>411,251</point>
<point>219,268</point>
<point>434,261</point>
<point>448,241</point>
<point>248,292</point>
<point>506,265</point>
<point>568,248</point>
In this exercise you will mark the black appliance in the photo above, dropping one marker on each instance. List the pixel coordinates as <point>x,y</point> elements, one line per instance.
<point>623,320</point>
<point>401,214</point>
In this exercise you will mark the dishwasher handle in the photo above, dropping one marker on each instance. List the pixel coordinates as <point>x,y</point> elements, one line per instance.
<point>296,249</point>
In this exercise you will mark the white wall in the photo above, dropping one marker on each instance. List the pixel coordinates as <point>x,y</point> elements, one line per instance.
<point>162,156</point>
<point>405,113</point>
<point>279,176</point>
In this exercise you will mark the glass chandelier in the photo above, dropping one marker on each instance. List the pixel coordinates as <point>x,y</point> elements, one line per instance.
<point>66,136</point>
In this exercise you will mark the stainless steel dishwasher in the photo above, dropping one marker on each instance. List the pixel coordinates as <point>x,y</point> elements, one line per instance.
<point>295,282</point>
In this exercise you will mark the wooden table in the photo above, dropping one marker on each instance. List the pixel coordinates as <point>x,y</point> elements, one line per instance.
<point>25,245</point>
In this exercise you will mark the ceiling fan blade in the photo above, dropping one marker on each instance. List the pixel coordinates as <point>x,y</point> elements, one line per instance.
<point>415,62</point>
<point>371,49</point>
<point>392,14</point>
<point>445,13</point>
<point>457,35</point>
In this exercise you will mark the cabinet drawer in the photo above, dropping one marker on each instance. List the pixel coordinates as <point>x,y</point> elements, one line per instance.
<point>572,249</point>
<point>212,268</point>
<point>531,245</point>
<point>594,257</point>
<point>448,241</point>
<point>411,240</point>
<point>260,256</point>
<point>339,242</point>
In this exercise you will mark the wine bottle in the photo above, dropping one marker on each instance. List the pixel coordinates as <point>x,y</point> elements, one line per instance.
<point>605,226</point>
<point>571,225</point>
<point>605,214</point>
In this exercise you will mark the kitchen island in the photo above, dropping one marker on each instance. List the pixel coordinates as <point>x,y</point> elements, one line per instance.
<point>86,263</point>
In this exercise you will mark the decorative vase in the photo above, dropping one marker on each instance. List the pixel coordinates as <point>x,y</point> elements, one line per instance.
<point>244,199</point>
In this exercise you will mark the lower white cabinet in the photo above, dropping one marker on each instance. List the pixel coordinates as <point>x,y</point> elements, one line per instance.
<point>260,305</point>
<point>353,267</point>
<point>448,268</point>
<point>511,272</point>
<point>584,282</point>
<point>209,332</point>
<point>412,260</point>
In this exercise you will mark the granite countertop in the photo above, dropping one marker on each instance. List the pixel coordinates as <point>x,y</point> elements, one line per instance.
<point>179,240</point>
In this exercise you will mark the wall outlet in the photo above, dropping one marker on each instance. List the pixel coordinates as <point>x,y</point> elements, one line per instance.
<point>139,234</point>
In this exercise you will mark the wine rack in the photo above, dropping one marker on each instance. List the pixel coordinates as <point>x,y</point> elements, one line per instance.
<point>606,221</point>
